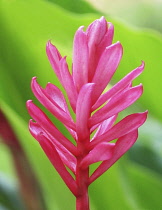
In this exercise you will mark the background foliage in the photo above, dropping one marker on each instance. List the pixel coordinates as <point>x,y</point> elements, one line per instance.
<point>135,182</point>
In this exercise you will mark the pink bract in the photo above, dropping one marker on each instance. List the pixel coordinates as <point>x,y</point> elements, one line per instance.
<point>95,60</point>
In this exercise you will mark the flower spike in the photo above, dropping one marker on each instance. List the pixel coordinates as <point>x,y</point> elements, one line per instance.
<point>95,60</point>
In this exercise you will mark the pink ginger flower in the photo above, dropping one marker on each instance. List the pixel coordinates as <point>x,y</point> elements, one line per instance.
<point>95,60</point>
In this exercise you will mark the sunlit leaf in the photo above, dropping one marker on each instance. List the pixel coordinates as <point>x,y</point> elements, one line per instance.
<point>79,6</point>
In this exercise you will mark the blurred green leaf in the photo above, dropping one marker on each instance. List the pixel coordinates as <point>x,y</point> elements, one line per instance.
<point>144,14</point>
<point>9,196</point>
<point>127,186</point>
<point>6,161</point>
<point>148,150</point>
<point>26,26</point>
<point>78,6</point>
<point>145,184</point>
<point>108,192</point>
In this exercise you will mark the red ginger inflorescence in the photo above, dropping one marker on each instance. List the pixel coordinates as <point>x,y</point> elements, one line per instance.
<point>95,60</point>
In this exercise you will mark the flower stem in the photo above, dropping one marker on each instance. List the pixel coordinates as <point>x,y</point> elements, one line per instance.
<point>82,179</point>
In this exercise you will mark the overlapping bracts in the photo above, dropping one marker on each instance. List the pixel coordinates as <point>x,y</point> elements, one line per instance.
<point>95,60</point>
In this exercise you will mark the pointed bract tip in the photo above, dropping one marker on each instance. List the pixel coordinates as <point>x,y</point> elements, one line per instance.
<point>142,66</point>
<point>64,58</point>
<point>145,114</point>
<point>34,129</point>
<point>110,24</point>
<point>80,28</point>
<point>31,122</point>
<point>49,43</point>
<point>142,113</point>
<point>34,79</point>
<point>140,86</point>
<point>80,32</point>
<point>50,47</point>
<point>28,102</point>
<point>29,105</point>
<point>118,43</point>
<point>115,45</point>
<point>102,19</point>
<point>89,85</point>
<point>33,82</point>
<point>63,61</point>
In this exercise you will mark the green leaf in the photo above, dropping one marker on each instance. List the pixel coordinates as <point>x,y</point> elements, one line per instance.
<point>26,26</point>
<point>78,6</point>
<point>149,146</point>
<point>151,18</point>
<point>9,196</point>
<point>107,192</point>
<point>6,165</point>
<point>145,184</point>
<point>129,186</point>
